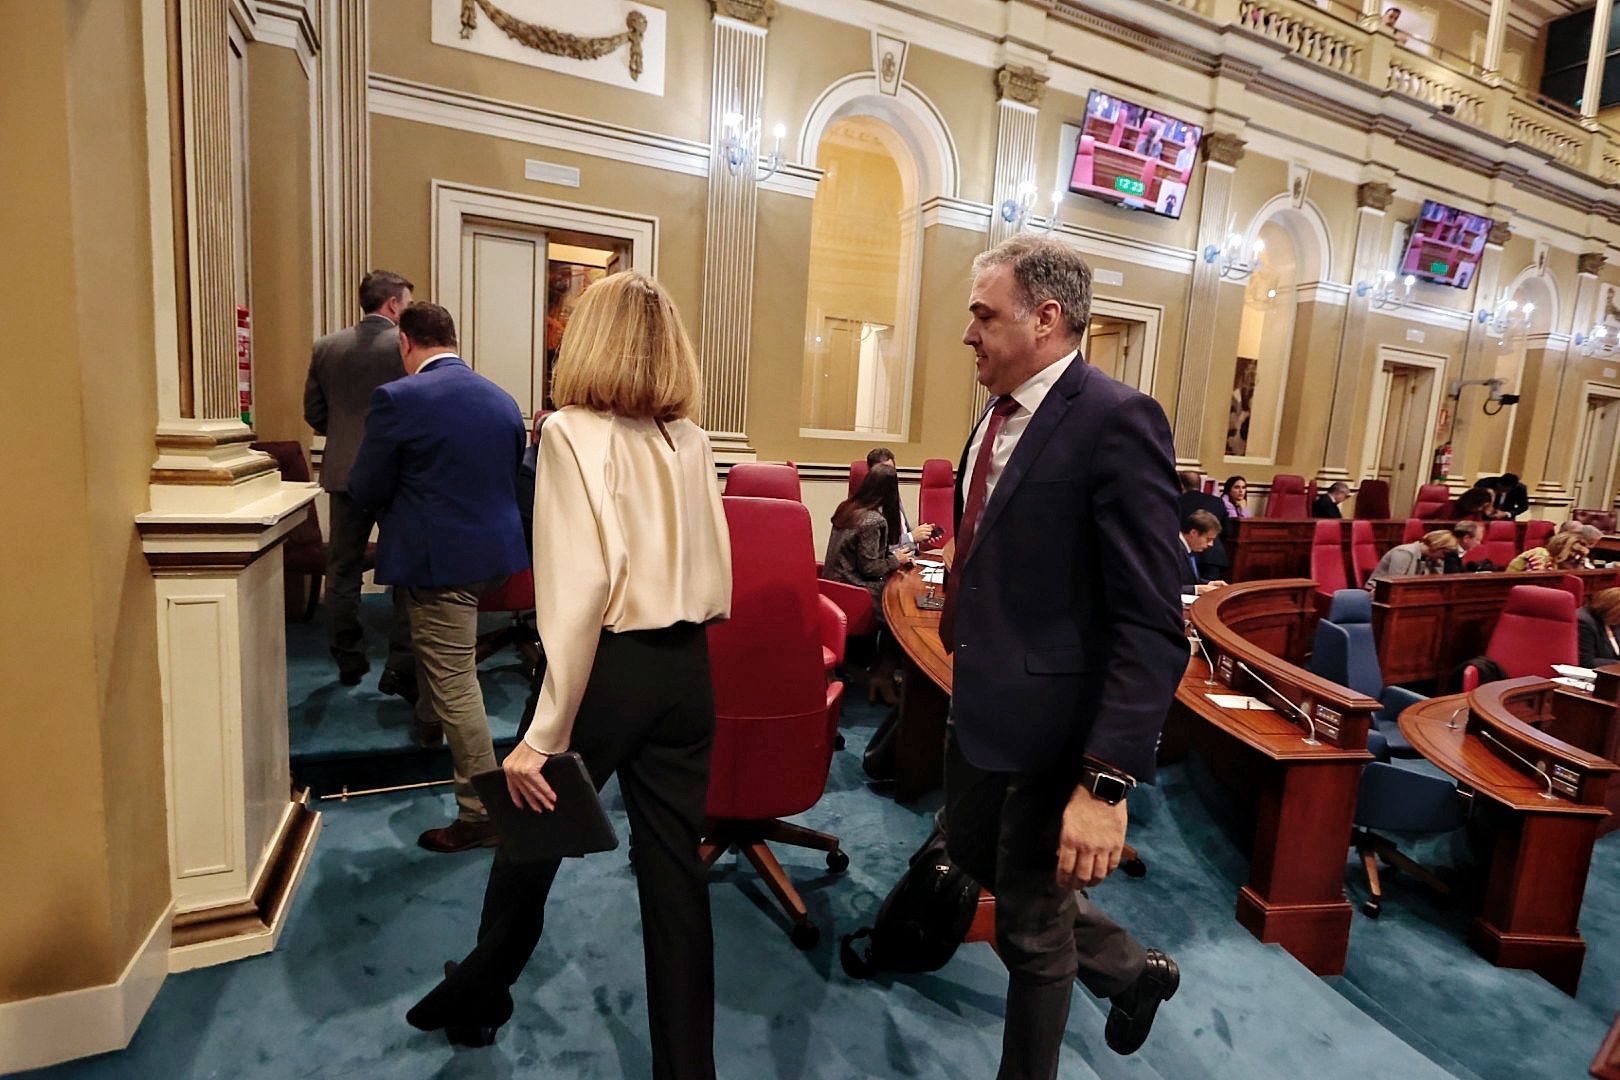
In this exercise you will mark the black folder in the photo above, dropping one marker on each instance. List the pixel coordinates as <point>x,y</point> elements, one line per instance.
<point>579,825</point>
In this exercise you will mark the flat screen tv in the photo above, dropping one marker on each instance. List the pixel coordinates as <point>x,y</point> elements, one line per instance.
<point>1131,156</point>
<point>1445,245</point>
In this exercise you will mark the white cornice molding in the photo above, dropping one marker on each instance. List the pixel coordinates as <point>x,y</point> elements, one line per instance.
<point>462,111</point>
<point>287,24</point>
<point>1429,315</point>
<point>957,214</point>
<point>794,179</point>
<point>1324,292</point>
<point>1126,249</point>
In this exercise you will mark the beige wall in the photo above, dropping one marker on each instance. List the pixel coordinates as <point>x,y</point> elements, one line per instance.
<point>86,850</point>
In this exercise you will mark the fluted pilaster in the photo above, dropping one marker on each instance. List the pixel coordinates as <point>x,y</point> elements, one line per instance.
<point>346,156</point>
<point>1222,152</point>
<point>1372,200</point>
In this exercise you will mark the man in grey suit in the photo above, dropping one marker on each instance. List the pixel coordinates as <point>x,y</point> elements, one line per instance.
<point>343,371</point>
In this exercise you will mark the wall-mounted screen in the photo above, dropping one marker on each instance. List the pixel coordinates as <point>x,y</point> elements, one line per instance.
<point>1134,157</point>
<point>1445,246</point>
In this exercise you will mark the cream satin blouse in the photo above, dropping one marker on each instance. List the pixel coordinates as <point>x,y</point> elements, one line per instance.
<point>629,534</point>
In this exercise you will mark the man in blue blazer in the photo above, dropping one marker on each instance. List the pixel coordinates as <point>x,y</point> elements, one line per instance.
<point>439,464</point>
<point>1063,621</point>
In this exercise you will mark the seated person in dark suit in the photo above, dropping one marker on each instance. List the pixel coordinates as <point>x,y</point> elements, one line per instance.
<point>1477,504</point>
<point>1213,561</point>
<point>1327,503</point>
<point>860,552</point>
<point>1469,536</point>
<point>1594,628</point>
<point>1199,529</point>
<point>908,537</point>
<point>1508,496</point>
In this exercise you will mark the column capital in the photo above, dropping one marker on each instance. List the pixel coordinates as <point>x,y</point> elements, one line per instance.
<point>758,12</point>
<point>1223,148</point>
<point>1501,232</point>
<point>1374,195</point>
<point>1590,262</point>
<point>1020,84</point>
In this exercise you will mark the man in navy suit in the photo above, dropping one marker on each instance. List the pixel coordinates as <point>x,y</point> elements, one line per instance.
<point>439,463</point>
<point>1063,620</point>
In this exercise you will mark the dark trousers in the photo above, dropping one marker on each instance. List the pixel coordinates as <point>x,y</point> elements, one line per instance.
<point>647,715</point>
<point>1002,828</point>
<point>350,531</point>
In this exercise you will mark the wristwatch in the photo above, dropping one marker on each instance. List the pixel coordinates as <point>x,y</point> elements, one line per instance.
<point>1106,785</point>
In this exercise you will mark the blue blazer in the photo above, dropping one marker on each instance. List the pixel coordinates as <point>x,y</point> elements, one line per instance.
<point>439,462</point>
<point>1069,636</point>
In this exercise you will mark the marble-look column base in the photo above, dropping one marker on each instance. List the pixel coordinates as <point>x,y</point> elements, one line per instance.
<point>208,467</point>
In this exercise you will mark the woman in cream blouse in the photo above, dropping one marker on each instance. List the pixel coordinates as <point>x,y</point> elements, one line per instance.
<point>631,558</point>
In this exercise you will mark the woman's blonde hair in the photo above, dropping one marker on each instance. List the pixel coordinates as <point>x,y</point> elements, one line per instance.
<point>1562,546</point>
<point>626,352</point>
<point>1605,604</point>
<point>1440,540</point>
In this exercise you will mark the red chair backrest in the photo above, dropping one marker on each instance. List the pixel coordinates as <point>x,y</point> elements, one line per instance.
<point>857,475</point>
<point>1501,544</point>
<point>760,480</point>
<point>1327,556</point>
<point>936,501</point>
<point>1575,585</point>
<point>1414,530</point>
<point>294,469</point>
<point>1372,501</point>
<point>1433,501</point>
<point>1535,631</point>
<point>1363,550</point>
<point>773,739</point>
<point>516,595</point>
<point>1537,533</point>
<point>1287,498</point>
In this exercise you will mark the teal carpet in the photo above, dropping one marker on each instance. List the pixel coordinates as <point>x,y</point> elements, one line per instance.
<point>377,917</point>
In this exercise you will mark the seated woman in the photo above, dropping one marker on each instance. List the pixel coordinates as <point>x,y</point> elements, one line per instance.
<point>1235,494</point>
<point>1423,556</point>
<point>1566,551</point>
<point>1594,627</point>
<point>859,553</point>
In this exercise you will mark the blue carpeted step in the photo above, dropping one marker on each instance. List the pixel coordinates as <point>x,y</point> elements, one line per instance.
<point>1395,1023</point>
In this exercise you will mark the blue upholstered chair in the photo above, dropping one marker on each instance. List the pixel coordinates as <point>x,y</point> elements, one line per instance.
<point>1344,652</point>
<point>1395,797</point>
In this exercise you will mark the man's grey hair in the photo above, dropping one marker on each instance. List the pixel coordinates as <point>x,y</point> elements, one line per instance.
<point>1044,269</point>
<point>1572,526</point>
<point>1338,486</point>
<point>1465,528</point>
<point>1591,534</point>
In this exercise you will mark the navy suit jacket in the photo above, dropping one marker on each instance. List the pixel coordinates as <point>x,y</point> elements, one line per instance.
<point>1069,636</point>
<point>439,463</point>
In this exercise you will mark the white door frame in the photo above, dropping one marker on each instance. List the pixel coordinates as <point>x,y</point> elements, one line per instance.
<point>1150,315</point>
<point>468,327</point>
<point>454,203</point>
<point>1378,404</point>
<point>1591,389</point>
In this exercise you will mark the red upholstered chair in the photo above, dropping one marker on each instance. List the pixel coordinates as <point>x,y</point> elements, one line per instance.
<point>1537,533</point>
<point>1535,631</point>
<point>1501,544</point>
<point>775,712</point>
<point>857,475</point>
<point>1327,562</point>
<point>517,598</point>
<point>759,480</point>
<point>1372,501</point>
<point>1433,502</point>
<point>1575,585</point>
<point>936,502</point>
<point>1603,519</point>
<point>303,555</point>
<point>1287,498</point>
<point>1413,531</point>
<point>1363,551</point>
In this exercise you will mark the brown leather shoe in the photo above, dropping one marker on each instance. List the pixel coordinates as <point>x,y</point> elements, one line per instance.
<point>459,835</point>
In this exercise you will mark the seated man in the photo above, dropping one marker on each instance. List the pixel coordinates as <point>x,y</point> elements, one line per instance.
<point>1199,528</point>
<point>1468,538</point>
<point>1327,503</point>
<point>911,538</point>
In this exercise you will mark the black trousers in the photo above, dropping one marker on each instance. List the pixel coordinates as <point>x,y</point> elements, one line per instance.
<point>647,715</point>
<point>349,528</point>
<point>1002,828</point>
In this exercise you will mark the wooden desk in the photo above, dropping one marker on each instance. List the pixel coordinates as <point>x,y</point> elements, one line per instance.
<point>1429,626</point>
<point>1264,549</point>
<point>1606,1066</point>
<point>1607,549</point>
<point>1585,721</point>
<point>1540,844</point>
<point>925,696</point>
<point>1306,791</point>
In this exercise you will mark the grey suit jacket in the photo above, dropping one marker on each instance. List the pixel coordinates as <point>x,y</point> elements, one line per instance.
<point>344,369</point>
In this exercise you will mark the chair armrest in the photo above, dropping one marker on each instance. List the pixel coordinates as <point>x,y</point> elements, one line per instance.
<point>833,623</point>
<point>854,601</point>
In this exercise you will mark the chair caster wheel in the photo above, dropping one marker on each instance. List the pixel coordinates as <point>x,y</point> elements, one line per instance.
<point>838,741</point>
<point>837,861</point>
<point>1134,868</point>
<point>1371,908</point>
<point>805,936</point>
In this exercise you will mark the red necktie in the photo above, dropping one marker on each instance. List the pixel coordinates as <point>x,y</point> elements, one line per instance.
<point>973,510</point>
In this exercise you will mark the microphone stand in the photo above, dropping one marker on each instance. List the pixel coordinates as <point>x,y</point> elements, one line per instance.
<point>1310,724</point>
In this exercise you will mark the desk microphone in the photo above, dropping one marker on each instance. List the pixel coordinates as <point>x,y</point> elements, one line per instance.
<point>1538,770</point>
<point>1209,680</point>
<point>1451,725</point>
<point>1310,738</point>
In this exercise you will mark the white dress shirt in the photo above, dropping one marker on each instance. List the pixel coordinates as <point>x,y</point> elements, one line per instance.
<point>1029,396</point>
<point>430,361</point>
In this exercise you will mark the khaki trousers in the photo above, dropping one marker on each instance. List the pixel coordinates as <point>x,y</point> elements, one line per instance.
<point>444,635</point>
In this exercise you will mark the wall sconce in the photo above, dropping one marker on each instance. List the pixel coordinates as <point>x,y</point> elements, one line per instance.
<point>1015,211</point>
<point>1509,315</point>
<point>1383,293</point>
<point>1597,341</point>
<point>741,147</point>
<point>1230,255</point>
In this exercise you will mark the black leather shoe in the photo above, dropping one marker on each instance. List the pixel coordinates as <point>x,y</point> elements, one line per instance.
<point>1131,1018</point>
<point>398,683</point>
<point>445,1010</point>
<point>351,676</point>
<point>459,835</point>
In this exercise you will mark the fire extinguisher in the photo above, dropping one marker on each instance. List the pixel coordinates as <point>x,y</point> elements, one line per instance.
<point>1442,464</point>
